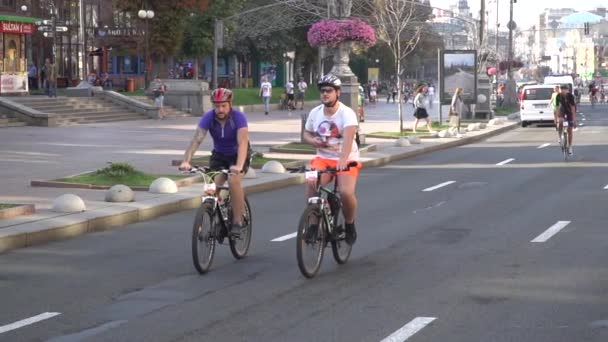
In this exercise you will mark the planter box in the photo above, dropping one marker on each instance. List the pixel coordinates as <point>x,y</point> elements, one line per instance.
<point>19,210</point>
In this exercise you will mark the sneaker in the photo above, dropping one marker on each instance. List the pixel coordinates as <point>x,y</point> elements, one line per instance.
<point>570,152</point>
<point>311,233</point>
<point>351,233</point>
<point>266,113</point>
<point>236,230</point>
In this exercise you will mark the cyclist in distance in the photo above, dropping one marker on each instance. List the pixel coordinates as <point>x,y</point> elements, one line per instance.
<point>566,110</point>
<point>331,128</point>
<point>231,150</point>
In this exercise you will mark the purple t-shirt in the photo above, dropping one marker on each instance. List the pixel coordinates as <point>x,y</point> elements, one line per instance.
<point>224,138</point>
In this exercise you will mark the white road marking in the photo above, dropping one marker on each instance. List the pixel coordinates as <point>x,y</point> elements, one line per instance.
<point>544,145</point>
<point>409,329</point>
<point>285,237</point>
<point>505,161</point>
<point>606,187</point>
<point>554,229</point>
<point>28,321</point>
<point>439,186</point>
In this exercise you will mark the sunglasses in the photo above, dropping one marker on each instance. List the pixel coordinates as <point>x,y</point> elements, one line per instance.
<point>327,90</point>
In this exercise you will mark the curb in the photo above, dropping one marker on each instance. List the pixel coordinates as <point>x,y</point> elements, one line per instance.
<point>78,224</point>
<point>279,149</point>
<point>67,185</point>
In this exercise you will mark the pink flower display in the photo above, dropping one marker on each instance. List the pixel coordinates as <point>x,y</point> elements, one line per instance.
<point>333,32</point>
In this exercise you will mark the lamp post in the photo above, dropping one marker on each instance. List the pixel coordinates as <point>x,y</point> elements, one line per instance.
<point>146,15</point>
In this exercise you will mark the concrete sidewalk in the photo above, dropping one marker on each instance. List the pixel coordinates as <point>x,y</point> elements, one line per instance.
<point>35,153</point>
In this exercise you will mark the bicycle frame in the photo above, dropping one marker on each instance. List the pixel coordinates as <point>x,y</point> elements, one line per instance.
<point>322,198</point>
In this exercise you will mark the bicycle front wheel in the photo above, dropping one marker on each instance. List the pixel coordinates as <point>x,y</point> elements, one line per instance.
<point>240,246</point>
<point>339,248</point>
<point>203,239</point>
<point>310,241</point>
<point>565,144</point>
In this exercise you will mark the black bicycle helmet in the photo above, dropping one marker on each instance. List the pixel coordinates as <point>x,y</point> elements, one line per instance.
<point>329,80</point>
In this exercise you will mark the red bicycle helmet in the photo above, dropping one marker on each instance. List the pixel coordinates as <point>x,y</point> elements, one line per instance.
<point>221,95</point>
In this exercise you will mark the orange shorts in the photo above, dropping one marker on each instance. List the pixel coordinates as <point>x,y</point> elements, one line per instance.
<point>319,163</point>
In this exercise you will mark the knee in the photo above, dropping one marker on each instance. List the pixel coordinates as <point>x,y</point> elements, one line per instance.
<point>347,194</point>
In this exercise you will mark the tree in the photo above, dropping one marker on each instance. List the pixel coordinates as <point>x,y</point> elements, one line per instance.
<point>399,24</point>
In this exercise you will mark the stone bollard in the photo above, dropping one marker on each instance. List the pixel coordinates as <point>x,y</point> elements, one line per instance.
<point>444,134</point>
<point>68,203</point>
<point>163,185</point>
<point>251,173</point>
<point>402,142</point>
<point>414,139</point>
<point>120,193</point>
<point>273,166</point>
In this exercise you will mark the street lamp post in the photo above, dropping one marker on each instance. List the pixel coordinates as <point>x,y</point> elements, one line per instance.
<point>146,15</point>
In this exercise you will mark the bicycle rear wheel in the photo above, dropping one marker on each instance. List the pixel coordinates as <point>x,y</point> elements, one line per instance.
<point>240,246</point>
<point>203,239</point>
<point>310,242</point>
<point>565,145</point>
<point>339,248</point>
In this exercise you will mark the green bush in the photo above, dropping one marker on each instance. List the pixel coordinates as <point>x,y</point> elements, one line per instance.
<point>117,170</point>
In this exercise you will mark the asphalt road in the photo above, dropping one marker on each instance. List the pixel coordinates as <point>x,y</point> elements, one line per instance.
<point>454,264</point>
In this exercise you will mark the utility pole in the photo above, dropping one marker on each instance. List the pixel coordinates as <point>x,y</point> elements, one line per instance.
<point>497,27</point>
<point>510,52</point>
<point>482,19</point>
<point>510,89</point>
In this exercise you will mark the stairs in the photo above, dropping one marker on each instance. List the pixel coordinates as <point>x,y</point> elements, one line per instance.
<point>11,122</point>
<point>170,111</point>
<point>79,110</point>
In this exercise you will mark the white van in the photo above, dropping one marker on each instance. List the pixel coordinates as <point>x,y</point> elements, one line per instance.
<point>559,80</point>
<point>536,104</point>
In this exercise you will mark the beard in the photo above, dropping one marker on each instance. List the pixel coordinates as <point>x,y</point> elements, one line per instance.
<point>330,104</point>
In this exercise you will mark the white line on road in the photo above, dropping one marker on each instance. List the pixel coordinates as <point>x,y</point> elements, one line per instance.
<point>285,237</point>
<point>409,329</point>
<point>554,229</point>
<point>544,145</point>
<point>439,186</point>
<point>27,321</point>
<point>606,187</point>
<point>505,161</point>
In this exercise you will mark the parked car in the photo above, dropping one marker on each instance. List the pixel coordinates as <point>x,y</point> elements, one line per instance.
<point>535,106</point>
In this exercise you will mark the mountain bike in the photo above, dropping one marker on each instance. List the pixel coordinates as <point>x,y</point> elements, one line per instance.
<point>321,223</point>
<point>213,222</point>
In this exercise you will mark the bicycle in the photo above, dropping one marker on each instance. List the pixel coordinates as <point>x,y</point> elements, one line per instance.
<point>324,208</point>
<point>213,221</point>
<point>564,144</point>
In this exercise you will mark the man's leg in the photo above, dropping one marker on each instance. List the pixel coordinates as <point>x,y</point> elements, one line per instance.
<point>237,198</point>
<point>347,184</point>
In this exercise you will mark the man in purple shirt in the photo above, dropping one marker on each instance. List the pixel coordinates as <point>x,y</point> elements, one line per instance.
<point>228,128</point>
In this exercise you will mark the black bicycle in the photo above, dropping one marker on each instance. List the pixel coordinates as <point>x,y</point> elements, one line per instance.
<point>321,223</point>
<point>565,145</point>
<point>213,221</point>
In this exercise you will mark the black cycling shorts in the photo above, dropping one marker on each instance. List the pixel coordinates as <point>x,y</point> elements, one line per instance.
<point>220,161</point>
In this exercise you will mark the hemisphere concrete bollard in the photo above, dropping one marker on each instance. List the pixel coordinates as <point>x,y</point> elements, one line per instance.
<point>402,142</point>
<point>453,131</point>
<point>68,203</point>
<point>477,126</point>
<point>444,134</point>
<point>120,193</point>
<point>273,166</point>
<point>414,139</point>
<point>482,125</point>
<point>471,128</point>
<point>251,174</point>
<point>163,185</point>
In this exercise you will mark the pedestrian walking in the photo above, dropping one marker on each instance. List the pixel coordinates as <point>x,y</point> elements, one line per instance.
<point>301,95</point>
<point>373,92</point>
<point>51,73</point>
<point>420,102</point>
<point>431,95</point>
<point>159,92</point>
<point>32,77</point>
<point>456,110</point>
<point>265,94</point>
<point>289,90</point>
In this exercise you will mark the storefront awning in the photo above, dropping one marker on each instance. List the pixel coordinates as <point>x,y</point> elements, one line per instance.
<point>19,19</point>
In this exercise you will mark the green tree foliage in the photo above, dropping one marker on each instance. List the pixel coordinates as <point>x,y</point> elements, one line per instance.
<point>167,27</point>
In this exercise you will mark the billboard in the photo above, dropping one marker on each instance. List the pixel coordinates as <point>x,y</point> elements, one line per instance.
<point>373,74</point>
<point>458,70</point>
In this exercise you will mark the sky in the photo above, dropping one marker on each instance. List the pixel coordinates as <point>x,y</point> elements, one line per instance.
<point>525,12</point>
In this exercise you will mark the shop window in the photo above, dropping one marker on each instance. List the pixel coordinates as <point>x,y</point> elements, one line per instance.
<point>127,64</point>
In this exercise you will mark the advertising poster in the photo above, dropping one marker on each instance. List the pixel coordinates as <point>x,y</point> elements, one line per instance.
<point>373,74</point>
<point>458,70</point>
<point>13,83</point>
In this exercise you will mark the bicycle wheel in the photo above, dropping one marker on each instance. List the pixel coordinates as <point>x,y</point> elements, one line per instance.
<point>240,246</point>
<point>310,244</point>
<point>565,143</point>
<point>339,248</point>
<point>203,239</point>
